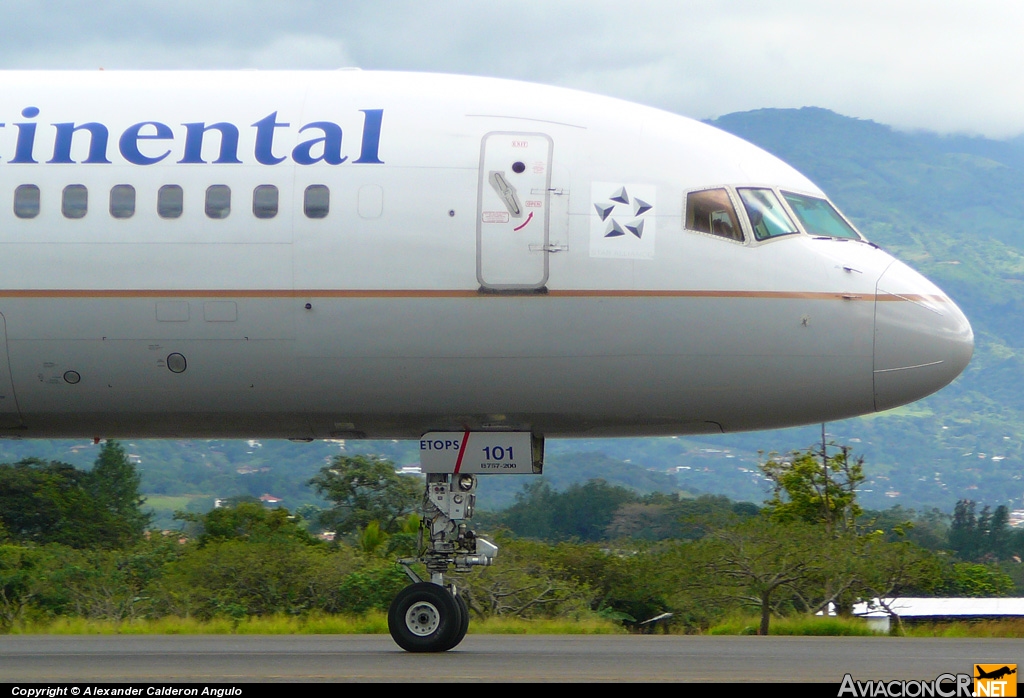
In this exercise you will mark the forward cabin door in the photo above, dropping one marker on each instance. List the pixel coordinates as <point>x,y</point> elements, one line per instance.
<point>513,200</point>
<point>10,417</point>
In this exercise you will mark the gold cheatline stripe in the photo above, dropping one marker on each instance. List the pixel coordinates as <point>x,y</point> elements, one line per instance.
<point>429,293</point>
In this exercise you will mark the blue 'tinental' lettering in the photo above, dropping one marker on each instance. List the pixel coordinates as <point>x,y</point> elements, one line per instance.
<point>326,148</point>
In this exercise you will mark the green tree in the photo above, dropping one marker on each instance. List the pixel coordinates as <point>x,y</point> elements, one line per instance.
<point>113,584</point>
<point>114,483</point>
<point>52,502</point>
<point>246,521</point>
<point>365,489</point>
<point>582,511</point>
<point>530,582</point>
<point>764,563</point>
<point>984,536</point>
<point>964,537</point>
<point>372,540</point>
<point>631,585</point>
<point>999,534</point>
<point>808,552</point>
<point>815,489</point>
<point>659,516</point>
<point>405,541</point>
<point>531,515</point>
<point>708,513</point>
<point>25,577</point>
<point>371,588</point>
<point>929,529</point>
<point>643,521</point>
<point>239,578</point>
<point>974,579</point>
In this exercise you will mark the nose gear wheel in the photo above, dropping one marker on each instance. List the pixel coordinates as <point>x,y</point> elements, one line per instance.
<point>422,619</point>
<point>425,617</point>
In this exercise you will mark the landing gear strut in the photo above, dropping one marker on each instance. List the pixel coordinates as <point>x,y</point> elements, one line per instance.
<point>430,616</point>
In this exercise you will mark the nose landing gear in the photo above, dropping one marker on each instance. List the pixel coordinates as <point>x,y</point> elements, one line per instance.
<point>432,616</point>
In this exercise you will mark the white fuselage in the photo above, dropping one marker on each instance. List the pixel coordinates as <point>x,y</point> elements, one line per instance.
<point>468,273</point>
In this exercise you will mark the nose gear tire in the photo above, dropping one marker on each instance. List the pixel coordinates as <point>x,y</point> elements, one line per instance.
<point>425,617</point>
<point>464,624</point>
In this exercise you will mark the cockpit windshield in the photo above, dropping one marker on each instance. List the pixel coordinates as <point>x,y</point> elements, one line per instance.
<point>767,217</point>
<point>711,211</point>
<point>819,218</point>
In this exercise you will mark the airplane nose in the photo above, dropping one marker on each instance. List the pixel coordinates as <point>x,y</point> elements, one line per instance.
<point>922,339</point>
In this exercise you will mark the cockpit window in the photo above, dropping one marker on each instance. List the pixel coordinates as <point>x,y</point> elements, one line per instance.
<point>711,211</point>
<point>819,218</point>
<point>767,217</point>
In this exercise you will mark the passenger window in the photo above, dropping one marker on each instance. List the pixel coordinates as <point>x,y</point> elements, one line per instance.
<point>264,201</point>
<point>711,211</point>
<point>317,201</point>
<point>767,217</point>
<point>26,201</point>
<point>218,201</point>
<point>169,201</point>
<point>122,201</point>
<point>75,202</point>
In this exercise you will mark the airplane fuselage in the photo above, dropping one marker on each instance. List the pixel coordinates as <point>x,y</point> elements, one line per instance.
<point>323,254</point>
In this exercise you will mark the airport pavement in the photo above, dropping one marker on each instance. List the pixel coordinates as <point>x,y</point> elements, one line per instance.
<point>245,659</point>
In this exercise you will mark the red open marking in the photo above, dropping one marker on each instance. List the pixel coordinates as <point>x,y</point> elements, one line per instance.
<point>462,451</point>
<point>528,219</point>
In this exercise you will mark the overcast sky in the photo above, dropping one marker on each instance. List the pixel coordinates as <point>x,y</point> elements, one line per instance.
<point>920,64</point>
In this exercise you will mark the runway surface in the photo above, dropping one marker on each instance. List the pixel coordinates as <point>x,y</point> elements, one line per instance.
<point>227,658</point>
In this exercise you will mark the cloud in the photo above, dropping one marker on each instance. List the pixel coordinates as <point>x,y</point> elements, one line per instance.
<point>935,64</point>
<point>284,52</point>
